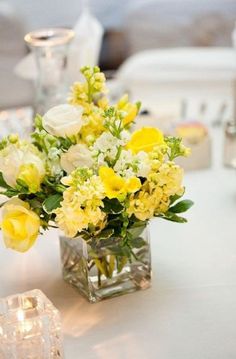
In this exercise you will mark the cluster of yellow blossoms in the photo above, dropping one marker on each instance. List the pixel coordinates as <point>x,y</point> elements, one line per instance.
<point>154,196</point>
<point>82,203</point>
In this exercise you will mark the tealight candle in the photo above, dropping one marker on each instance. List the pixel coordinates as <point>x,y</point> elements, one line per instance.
<point>30,327</point>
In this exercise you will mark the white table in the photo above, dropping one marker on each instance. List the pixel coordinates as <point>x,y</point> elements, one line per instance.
<point>190,311</point>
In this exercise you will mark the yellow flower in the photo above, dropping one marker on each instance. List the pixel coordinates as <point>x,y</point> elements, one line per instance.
<point>145,139</point>
<point>81,205</point>
<point>116,186</point>
<point>20,225</point>
<point>133,184</point>
<point>103,103</point>
<point>29,173</point>
<point>130,109</point>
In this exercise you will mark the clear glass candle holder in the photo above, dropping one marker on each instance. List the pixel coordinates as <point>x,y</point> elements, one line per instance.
<point>50,47</point>
<point>30,327</point>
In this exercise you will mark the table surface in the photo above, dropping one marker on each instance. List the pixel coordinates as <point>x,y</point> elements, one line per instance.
<point>190,311</point>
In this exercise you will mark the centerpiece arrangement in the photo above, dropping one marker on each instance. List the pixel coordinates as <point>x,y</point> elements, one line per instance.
<point>85,172</point>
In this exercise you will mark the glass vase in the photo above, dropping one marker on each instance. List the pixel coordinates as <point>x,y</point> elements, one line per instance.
<point>108,269</point>
<point>50,48</point>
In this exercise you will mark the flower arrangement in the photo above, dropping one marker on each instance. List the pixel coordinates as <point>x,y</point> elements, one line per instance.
<point>87,173</point>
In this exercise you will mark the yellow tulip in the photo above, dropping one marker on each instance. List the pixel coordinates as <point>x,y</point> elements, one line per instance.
<point>29,173</point>
<point>20,225</point>
<point>145,139</point>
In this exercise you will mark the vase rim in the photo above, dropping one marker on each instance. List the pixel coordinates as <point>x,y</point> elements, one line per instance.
<point>49,37</point>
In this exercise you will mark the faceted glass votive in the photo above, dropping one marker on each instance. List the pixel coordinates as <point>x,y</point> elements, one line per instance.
<point>30,327</point>
<point>105,272</point>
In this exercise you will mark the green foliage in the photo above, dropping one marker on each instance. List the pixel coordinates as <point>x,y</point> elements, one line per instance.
<point>38,122</point>
<point>2,182</point>
<point>113,121</point>
<point>181,206</point>
<point>112,206</point>
<point>52,202</point>
<point>172,213</point>
<point>176,147</point>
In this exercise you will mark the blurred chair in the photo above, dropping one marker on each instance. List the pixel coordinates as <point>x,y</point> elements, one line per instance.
<point>158,24</point>
<point>14,91</point>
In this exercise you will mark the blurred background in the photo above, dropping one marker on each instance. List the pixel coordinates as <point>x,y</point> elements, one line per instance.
<point>130,26</point>
<point>177,56</point>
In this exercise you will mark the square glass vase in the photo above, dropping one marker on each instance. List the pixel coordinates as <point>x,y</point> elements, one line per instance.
<point>108,270</point>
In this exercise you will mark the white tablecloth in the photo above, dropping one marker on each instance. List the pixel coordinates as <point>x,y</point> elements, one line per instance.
<point>190,311</point>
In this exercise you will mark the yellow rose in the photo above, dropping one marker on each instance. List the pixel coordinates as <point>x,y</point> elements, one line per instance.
<point>20,225</point>
<point>116,186</point>
<point>145,139</point>
<point>30,174</point>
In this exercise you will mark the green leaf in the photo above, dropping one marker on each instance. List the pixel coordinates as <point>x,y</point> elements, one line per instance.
<point>38,121</point>
<point>137,228</point>
<point>175,198</point>
<point>172,217</point>
<point>52,203</point>
<point>10,192</point>
<point>105,234</point>
<point>2,182</point>
<point>137,242</point>
<point>181,206</point>
<point>112,206</point>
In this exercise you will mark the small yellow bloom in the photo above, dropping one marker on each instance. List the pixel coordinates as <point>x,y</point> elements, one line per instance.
<point>132,112</point>
<point>145,139</point>
<point>133,184</point>
<point>29,173</point>
<point>20,225</point>
<point>103,103</point>
<point>115,186</point>
<point>128,107</point>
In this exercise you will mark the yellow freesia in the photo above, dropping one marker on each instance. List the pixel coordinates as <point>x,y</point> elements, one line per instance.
<point>128,107</point>
<point>145,139</point>
<point>20,225</point>
<point>116,186</point>
<point>29,173</point>
<point>133,184</point>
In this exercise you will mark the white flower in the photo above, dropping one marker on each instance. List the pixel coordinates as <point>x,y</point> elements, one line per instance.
<point>125,137</point>
<point>13,157</point>
<point>125,165</point>
<point>144,166</point>
<point>63,120</point>
<point>106,142</point>
<point>77,156</point>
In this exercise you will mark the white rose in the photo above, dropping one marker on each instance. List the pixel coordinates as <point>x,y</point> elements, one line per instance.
<point>12,158</point>
<point>77,156</point>
<point>63,120</point>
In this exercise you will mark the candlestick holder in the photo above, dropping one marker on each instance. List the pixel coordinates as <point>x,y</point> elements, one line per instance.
<point>30,327</point>
<point>50,47</point>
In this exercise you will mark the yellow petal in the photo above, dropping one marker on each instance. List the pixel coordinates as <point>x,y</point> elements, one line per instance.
<point>145,139</point>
